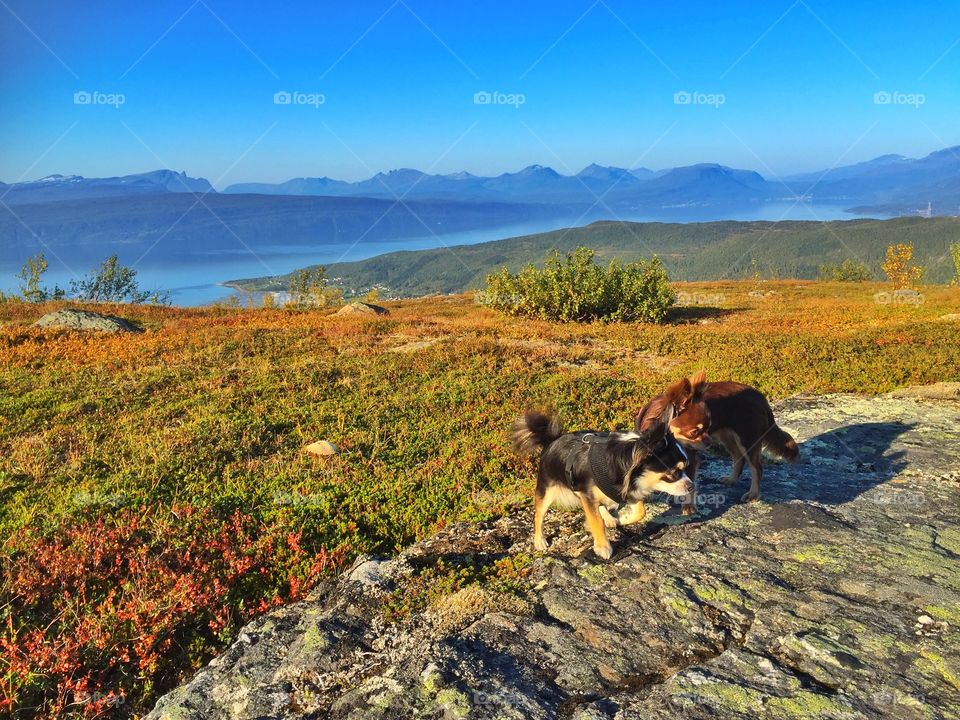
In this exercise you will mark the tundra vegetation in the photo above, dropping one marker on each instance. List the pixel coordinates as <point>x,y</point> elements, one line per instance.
<point>154,494</point>
<point>847,271</point>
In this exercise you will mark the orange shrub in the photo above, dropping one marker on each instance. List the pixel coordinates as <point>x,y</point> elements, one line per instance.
<point>898,266</point>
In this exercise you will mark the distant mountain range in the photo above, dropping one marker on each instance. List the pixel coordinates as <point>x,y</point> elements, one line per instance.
<point>890,184</point>
<point>173,215</point>
<point>74,187</point>
<point>694,186</point>
<point>535,183</point>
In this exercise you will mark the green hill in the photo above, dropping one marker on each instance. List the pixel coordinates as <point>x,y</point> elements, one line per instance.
<point>690,251</point>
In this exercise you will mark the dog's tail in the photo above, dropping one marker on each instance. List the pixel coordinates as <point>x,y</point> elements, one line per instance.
<point>780,442</point>
<point>534,430</point>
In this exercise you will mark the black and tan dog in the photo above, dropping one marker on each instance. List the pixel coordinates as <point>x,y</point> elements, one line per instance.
<point>600,471</point>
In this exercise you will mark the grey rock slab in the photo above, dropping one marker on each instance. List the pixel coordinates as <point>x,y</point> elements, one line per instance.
<point>73,319</point>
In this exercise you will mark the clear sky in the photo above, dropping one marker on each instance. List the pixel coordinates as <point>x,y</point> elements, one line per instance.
<point>776,86</point>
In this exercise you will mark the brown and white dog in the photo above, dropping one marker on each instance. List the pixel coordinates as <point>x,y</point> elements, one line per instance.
<point>684,397</point>
<point>736,415</point>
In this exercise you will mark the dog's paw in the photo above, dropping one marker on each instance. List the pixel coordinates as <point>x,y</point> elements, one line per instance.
<point>688,510</point>
<point>631,514</point>
<point>608,520</point>
<point>750,496</point>
<point>603,551</point>
<point>540,544</point>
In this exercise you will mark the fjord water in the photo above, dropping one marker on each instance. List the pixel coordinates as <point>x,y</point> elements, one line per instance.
<point>195,278</point>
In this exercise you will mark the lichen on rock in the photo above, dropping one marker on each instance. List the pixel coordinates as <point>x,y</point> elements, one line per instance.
<point>86,320</point>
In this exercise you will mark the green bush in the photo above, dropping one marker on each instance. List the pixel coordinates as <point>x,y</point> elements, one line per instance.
<point>112,282</point>
<point>847,271</point>
<point>575,289</point>
<point>309,287</point>
<point>32,288</point>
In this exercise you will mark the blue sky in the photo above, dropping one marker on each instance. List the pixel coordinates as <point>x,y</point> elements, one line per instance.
<point>775,86</point>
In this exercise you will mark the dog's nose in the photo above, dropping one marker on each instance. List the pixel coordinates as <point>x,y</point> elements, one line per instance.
<point>705,439</point>
<point>687,485</point>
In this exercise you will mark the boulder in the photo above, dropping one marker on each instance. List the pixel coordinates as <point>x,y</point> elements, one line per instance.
<point>73,319</point>
<point>835,596</point>
<point>322,448</point>
<point>362,308</point>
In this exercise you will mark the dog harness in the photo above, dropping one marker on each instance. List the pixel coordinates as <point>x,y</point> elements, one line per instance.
<point>599,466</point>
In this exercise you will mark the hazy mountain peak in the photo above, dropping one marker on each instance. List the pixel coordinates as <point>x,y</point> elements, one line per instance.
<point>714,170</point>
<point>55,178</point>
<point>884,159</point>
<point>400,172</point>
<point>65,187</point>
<point>540,170</point>
<point>593,170</point>
<point>948,154</point>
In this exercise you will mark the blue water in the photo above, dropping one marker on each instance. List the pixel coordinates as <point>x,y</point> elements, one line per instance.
<point>194,278</point>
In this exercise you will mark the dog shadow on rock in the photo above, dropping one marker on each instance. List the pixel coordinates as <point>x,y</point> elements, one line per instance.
<point>834,468</point>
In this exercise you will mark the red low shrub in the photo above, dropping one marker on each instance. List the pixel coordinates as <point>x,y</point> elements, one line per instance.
<point>103,614</point>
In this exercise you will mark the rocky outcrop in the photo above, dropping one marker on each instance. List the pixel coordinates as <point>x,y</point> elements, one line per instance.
<point>836,596</point>
<point>73,319</point>
<point>322,448</point>
<point>362,308</point>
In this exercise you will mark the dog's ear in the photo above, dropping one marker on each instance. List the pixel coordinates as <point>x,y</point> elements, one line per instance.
<point>698,385</point>
<point>666,417</point>
<point>680,394</point>
<point>659,428</point>
<point>650,436</point>
<point>640,420</point>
